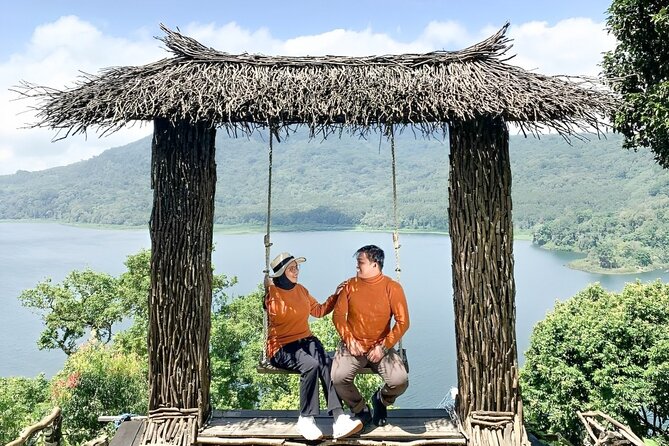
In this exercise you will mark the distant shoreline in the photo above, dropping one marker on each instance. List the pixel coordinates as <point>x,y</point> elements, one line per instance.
<point>260,229</point>
<point>256,229</point>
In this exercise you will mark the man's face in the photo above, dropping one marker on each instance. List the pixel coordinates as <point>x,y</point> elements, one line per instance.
<point>365,268</point>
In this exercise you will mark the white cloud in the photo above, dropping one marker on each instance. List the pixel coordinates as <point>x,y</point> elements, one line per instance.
<point>58,51</point>
<point>55,56</point>
<point>5,154</point>
<point>572,47</point>
<point>233,39</point>
<point>446,36</point>
<point>342,42</point>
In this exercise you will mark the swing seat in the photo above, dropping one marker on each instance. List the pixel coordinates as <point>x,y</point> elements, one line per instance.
<point>264,366</point>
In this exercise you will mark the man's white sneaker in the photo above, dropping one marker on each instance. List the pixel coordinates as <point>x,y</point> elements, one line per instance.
<point>344,426</point>
<point>306,426</point>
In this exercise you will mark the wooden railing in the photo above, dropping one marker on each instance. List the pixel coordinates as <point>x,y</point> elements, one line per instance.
<point>52,422</point>
<point>599,433</point>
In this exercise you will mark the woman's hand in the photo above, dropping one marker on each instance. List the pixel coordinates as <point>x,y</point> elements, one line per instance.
<point>268,281</point>
<point>340,287</point>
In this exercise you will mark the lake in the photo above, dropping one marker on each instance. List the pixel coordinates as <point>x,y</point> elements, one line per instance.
<point>31,252</point>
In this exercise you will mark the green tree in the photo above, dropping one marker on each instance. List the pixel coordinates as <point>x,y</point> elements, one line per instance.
<point>236,345</point>
<point>84,301</point>
<point>601,351</point>
<point>134,285</point>
<point>639,69</point>
<point>23,401</point>
<point>97,378</point>
<point>133,292</point>
<point>606,254</point>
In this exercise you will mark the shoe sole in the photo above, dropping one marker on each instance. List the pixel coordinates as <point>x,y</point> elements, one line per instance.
<point>353,431</point>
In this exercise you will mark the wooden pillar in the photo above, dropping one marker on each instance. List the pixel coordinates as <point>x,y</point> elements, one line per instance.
<point>481,230</point>
<point>183,178</point>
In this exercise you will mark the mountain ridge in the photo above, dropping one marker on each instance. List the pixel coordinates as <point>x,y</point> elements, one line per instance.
<point>591,196</point>
<point>343,182</point>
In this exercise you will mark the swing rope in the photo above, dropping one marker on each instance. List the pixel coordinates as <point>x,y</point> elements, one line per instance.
<point>396,235</point>
<point>272,131</point>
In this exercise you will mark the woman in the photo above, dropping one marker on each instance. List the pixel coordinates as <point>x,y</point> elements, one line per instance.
<point>292,346</point>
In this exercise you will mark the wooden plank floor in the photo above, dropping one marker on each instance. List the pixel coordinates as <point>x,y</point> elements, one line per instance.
<point>274,427</point>
<point>129,433</point>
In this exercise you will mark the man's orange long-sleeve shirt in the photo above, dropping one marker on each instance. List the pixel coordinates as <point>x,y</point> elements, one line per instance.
<point>288,315</point>
<point>364,309</point>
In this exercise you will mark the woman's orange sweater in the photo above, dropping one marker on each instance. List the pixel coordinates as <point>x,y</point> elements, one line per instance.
<point>288,315</point>
<point>364,309</point>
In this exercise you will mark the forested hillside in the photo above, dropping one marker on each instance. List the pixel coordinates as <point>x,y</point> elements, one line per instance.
<point>590,196</point>
<point>594,198</point>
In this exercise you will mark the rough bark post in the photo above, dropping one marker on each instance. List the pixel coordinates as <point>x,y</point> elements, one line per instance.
<point>481,230</point>
<point>183,179</point>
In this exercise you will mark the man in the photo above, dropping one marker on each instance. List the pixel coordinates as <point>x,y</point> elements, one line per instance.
<point>362,316</point>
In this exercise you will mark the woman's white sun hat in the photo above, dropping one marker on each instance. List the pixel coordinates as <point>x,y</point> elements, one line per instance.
<point>281,261</point>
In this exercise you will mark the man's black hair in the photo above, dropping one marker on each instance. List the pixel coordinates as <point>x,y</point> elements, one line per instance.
<point>373,253</point>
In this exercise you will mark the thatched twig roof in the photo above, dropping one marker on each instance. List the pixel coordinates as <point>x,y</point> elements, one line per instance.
<point>355,93</point>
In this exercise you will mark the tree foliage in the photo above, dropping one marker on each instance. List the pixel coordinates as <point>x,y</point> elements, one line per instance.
<point>98,380</point>
<point>639,68</point>
<point>134,286</point>
<point>633,240</point>
<point>83,301</point>
<point>22,403</point>
<point>601,351</point>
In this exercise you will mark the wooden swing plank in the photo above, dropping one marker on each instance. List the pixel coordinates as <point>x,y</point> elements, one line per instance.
<point>404,425</point>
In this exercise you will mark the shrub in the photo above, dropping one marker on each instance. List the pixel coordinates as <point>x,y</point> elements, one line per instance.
<point>98,380</point>
<point>601,351</point>
<point>23,401</point>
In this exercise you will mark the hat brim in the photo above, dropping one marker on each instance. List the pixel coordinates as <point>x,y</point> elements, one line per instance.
<point>281,270</point>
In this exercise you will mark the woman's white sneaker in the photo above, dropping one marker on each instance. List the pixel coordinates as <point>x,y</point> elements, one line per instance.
<point>306,426</point>
<point>345,426</point>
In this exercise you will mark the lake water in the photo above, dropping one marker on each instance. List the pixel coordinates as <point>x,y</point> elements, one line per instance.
<point>31,252</point>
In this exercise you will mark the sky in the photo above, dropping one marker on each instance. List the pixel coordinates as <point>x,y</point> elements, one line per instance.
<point>51,42</point>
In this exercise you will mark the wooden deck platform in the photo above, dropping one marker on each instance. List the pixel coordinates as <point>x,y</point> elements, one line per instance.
<point>406,427</point>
